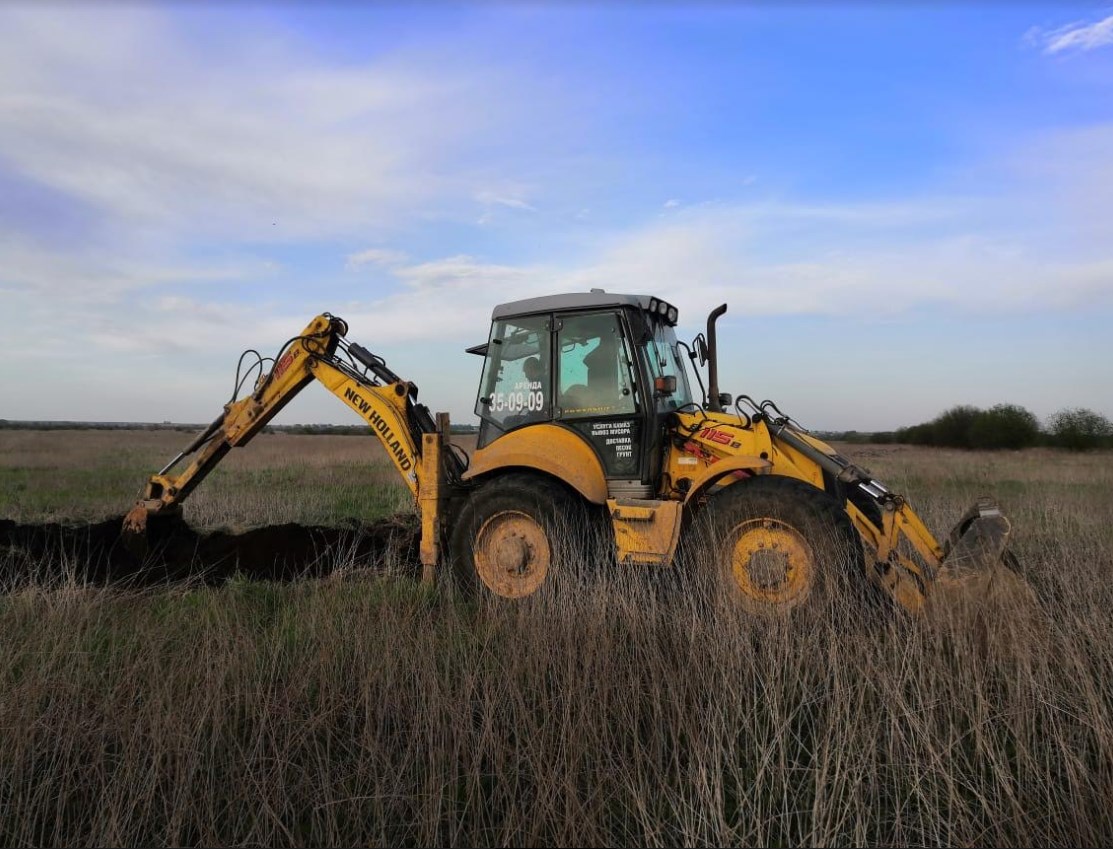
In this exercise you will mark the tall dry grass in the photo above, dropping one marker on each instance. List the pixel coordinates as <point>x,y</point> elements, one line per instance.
<point>620,708</point>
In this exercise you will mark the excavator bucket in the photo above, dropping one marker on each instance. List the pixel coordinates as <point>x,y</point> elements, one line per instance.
<point>977,569</point>
<point>143,529</point>
<point>133,534</point>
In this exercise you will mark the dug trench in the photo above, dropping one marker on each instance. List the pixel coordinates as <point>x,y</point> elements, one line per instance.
<point>96,553</point>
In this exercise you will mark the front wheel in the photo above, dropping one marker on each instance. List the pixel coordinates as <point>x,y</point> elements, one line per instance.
<point>775,544</point>
<point>512,531</point>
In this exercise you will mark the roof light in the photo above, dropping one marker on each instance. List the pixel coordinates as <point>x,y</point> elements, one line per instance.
<point>673,314</point>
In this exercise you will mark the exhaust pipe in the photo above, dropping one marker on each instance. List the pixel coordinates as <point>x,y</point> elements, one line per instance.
<point>713,403</point>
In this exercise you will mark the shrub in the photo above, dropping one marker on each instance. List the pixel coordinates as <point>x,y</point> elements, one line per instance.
<point>921,434</point>
<point>965,426</point>
<point>1079,429</point>
<point>1004,426</point>
<point>954,428</point>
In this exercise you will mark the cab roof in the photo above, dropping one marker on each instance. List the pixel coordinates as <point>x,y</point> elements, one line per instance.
<point>595,299</point>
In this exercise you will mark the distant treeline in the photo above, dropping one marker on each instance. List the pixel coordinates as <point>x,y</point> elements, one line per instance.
<point>330,429</point>
<point>964,426</point>
<point>184,427</point>
<point>348,430</point>
<point>1001,426</point>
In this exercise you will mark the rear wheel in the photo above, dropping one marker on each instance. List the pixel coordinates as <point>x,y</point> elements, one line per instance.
<point>511,533</point>
<point>774,544</point>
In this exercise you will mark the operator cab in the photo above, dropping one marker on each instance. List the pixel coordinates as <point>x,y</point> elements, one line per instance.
<point>604,365</point>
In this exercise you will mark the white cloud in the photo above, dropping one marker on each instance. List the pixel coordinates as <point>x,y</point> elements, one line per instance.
<point>118,111</point>
<point>860,259</point>
<point>97,275</point>
<point>181,151</point>
<point>987,255</point>
<point>452,297</point>
<point>509,200</point>
<point>702,257</point>
<point>384,257</point>
<point>1074,36</point>
<point>766,260</point>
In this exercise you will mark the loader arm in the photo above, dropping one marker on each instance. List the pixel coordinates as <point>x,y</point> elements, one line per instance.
<point>907,560</point>
<point>884,519</point>
<point>382,399</point>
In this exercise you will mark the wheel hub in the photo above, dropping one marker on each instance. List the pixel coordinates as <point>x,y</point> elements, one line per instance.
<point>771,563</point>
<point>512,554</point>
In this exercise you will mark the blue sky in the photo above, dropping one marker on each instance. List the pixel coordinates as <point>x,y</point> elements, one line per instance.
<point>907,207</point>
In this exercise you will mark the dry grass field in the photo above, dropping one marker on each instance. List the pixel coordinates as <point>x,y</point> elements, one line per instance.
<point>85,475</point>
<point>616,707</point>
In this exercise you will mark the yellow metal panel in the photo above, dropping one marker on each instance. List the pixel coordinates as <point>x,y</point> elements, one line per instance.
<point>645,531</point>
<point>550,449</point>
<point>631,510</point>
<point>384,409</point>
<point>429,502</point>
<point>791,463</point>
<point>709,474</point>
<point>707,443</point>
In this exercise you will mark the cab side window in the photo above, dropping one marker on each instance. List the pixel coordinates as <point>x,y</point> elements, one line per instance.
<point>515,388</point>
<point>594,377</point>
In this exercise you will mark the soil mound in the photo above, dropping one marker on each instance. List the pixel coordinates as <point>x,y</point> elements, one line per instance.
<point>96,553</point>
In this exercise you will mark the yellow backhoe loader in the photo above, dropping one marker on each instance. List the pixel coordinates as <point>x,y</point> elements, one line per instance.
<point>588,419</point>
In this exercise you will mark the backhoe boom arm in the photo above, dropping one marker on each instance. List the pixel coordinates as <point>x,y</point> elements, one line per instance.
<point>381,398</point>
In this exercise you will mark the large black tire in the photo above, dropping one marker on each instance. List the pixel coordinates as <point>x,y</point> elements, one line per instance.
<point>513,531</point>
<point>774,544</point>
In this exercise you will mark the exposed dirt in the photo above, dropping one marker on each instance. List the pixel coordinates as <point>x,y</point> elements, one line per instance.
<point>96,553</point>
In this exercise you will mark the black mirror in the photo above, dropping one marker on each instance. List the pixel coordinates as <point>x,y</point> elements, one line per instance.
<point>725,400</point>
<point>700,345</point>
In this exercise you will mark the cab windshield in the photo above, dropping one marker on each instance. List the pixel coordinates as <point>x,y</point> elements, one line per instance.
<point>663,357</point>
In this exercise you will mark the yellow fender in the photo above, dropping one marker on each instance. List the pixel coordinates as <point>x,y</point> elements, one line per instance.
<point>724,467</point>
<point>547,448</point>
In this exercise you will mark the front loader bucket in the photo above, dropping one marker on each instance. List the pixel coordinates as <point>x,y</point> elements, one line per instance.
<point>976,545</point>
<point>976,569</point>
